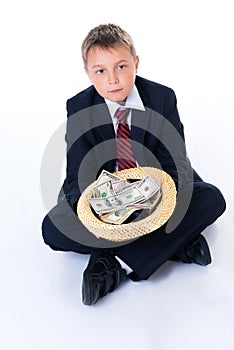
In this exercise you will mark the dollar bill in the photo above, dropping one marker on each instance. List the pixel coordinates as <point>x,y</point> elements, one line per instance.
<point>118,217</point>
<point>103,190</point>
<point>146,204</point>
<point>148,187</point>
<point>119,185</point>
<point>131,184</point>
<point>109,187</point>
<point>106,176</point>
<point>116,202</point>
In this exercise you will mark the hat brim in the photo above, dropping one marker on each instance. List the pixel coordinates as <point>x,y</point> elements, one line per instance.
<point>134,229</point>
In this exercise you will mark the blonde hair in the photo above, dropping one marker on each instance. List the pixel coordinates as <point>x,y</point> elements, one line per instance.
<point>106,36</point>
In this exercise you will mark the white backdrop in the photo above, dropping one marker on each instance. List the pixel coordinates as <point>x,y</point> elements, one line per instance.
<point>187,45</point>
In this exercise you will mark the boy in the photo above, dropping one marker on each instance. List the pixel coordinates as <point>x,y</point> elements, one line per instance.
<point>153,124</point>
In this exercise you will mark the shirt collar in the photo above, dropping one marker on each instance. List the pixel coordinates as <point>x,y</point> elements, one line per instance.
<point>133,101</point>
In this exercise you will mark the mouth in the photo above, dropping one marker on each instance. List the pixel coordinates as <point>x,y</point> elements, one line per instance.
<point>115,91</point>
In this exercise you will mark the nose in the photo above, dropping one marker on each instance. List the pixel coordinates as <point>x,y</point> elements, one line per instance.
<point>112,78</point>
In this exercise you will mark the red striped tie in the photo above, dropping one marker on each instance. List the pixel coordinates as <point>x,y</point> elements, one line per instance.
<point>125,155</point>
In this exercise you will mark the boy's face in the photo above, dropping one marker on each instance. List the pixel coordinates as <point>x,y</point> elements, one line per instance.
<point>112,72</point>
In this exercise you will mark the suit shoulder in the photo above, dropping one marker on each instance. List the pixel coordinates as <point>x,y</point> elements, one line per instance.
<point>82,99</point>
<point>153,86</point>
<point>155,96</point>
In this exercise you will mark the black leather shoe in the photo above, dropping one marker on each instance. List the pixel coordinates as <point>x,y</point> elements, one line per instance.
<point>102,275</point>
<point>196,252</point>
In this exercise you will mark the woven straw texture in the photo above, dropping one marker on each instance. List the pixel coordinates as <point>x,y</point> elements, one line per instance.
<point>134,229</point>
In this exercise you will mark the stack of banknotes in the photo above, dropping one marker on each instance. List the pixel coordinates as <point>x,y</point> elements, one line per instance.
<point>115,199</point>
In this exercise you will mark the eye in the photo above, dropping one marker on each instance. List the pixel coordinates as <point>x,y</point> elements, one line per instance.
<point>100,71</point>
<point>122,66</point>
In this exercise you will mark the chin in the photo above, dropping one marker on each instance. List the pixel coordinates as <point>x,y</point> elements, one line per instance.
<point>118,99</point>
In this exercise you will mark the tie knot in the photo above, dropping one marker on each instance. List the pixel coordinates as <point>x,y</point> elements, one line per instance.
<point>121,114</point>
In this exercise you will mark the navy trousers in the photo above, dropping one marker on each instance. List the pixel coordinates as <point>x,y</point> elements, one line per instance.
<point>147,253</point>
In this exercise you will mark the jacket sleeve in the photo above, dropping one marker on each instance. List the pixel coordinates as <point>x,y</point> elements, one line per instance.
<point>77,148</point>
<point>171,150</point>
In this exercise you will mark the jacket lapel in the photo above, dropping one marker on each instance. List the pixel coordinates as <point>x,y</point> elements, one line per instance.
<point>103,135</point>
<point>140,119</point>
<point>139,126</point>
<point>102,121</point>
<point>139,123</point>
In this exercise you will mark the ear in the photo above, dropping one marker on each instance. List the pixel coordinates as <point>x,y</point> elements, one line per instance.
<point>136,63</point>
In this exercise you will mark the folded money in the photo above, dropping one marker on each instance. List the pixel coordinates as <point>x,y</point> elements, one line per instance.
<point>118,217</point>
<point>114,199</point>
<point>117,201</point>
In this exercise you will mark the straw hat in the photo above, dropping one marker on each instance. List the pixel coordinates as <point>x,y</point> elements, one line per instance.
<point>134,229</point>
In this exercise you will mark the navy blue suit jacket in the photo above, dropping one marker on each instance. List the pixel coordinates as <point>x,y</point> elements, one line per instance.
<point>157,137</point>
